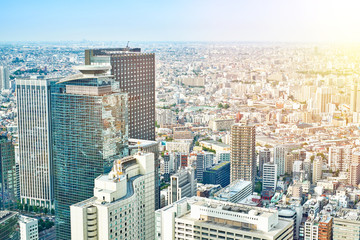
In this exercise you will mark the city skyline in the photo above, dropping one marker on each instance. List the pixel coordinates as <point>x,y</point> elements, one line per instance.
<point>260,21</point>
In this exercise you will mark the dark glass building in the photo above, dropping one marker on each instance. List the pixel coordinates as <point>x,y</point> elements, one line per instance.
<point>219,174</point>
<point>8,180</point>
<point>90,130</point>
<point>135,73</point>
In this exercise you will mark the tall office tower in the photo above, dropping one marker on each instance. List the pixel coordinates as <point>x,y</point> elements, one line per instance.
<point>149,146</point>
<point>89,124</point>
<point>4,78</point>
<point>270,176</point>
<point>123,203</point>
<point>264,157</point>
<point>35,149</point>
<point>243,157</point>
<point>317,170</point>
<point>200,218</point>
<point>200,166</point>
<point>168,165</point>
<point>182,184</point>
<point>8,178</point>
<point>280,153</point>
<point>323,98</point>
<point>135,73</point>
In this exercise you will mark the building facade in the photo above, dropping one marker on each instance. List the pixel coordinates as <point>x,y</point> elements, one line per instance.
<point>35,146</point>
<point>89,130</point>
<point>269,176</point>
<point>8,175</point>
<point>203,218</point>
<point>243,156</point>
<point>219,174</point>
<point>123,203</point>
<point>182,184</point>
<point>135,73</point>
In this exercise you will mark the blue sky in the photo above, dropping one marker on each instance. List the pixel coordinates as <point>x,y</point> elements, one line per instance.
<point>180,20</point>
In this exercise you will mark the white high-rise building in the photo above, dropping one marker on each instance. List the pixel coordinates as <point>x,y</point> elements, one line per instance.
<point>35,149</point>
<point>28,228</point>
<point>182,184</point>
<point>4,78</point>
<point>270,176</point>
<point>203,218</point>
<point>123,203</point>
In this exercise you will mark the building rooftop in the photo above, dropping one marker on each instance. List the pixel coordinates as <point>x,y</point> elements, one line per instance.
<point>232,189</point>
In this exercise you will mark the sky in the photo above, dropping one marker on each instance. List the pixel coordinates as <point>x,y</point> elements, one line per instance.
<point>181,20</point>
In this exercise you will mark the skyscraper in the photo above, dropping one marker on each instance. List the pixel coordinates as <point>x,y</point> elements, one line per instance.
<point>8,183</point>
<point>123,203</point>
<point>135,73</point>
<point>243,158</point>
<point>35,150</point>
<point>4,78</point>
<point>89,130</point>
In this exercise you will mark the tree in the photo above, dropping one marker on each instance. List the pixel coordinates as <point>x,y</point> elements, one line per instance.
<point>36,209</point>
<point>226,106</point>
<point>52,212</point>
<point>220,105</point>
<point>46,210</point>
<point>31,208</point>
<point>26,207</point>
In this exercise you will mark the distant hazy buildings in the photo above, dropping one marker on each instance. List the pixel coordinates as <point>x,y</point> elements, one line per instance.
<point>89,130</point>
<point>243,158</point>
<point>35,146</point>
<point>123,203</point>
<point>135,73</point>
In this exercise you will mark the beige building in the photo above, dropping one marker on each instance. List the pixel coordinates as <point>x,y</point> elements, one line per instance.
<point>243,157</point>
<point>317,170</point>
<point>346,225</point>
<point>221,124</point>
<point>123,203</point>
<point>203,218</point>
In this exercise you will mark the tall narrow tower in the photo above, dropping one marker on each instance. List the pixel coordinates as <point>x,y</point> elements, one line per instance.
<point>35,150</point>
<point>89,131</point>
<point>243,158</point>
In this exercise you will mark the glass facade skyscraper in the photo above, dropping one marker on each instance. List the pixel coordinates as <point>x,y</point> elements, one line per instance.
<point>8,183</point>
<point>90,130</point>
<point>35,150</point>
